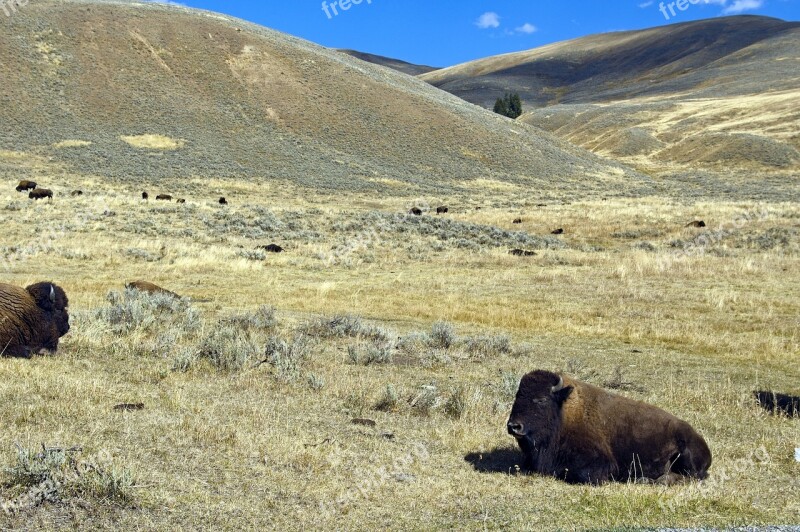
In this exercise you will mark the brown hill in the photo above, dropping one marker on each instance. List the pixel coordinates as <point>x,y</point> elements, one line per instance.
<point>395,64</point>
<point>152,91</point>
<point>717,95</point>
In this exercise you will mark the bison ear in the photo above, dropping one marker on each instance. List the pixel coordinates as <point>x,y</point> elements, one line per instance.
<point>561,395</point>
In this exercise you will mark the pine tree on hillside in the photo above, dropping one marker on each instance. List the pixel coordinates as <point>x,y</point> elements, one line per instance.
<point>509,105</point>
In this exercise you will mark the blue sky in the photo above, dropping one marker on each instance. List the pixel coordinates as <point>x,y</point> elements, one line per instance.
<point>443,33</point>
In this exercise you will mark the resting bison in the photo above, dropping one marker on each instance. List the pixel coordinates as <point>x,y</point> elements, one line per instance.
<point>442,210</point>
<point>164,197</point>
<point>517,221</point>
<point>32,319</point>
<point>696,223</point>
<point>150,288</point>
<point>272,248</point>
<point>145,195</point>
<point>416,211</point>
<point>582,434</point>
<point>76,193</point>
<point>40,193</point>
<point>521,252</point>
<point>180,200</point>
<point>558,231</point>
<point>778,402</point>
<point>26,185</point>
<point>223,201</point>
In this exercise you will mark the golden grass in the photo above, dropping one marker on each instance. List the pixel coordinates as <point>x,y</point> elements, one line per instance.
<point>695,334</point>
<point>153,142</point>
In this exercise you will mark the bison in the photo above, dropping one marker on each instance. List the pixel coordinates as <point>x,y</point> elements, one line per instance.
<point>26,185</point>
<point>145,195</point>
<point>181,200</point>
<point>517,221</point>
<point>696,223</point>
<point>521,252</point>
<point>558,231</point>
<point>32,319</point>
<point>582,434</point>
<point>272,248</point>
<point>416,211</point>
<point>150,288</point>
<point>223,201</point>
<point>442,210</point>
<point>76,193</point>
<point>40,193</point>
<point>164,197</point>
<point>778,402</point>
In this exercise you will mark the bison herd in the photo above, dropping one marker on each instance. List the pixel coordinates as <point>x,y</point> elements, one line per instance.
<point>36,193</point>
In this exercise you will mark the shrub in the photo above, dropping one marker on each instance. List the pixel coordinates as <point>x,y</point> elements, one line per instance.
<point>426,400</point>
<point>229,348</point>
<point>389,401</point>
<point>486,346</point>
<point>457,402</point>
<point>134,310</point>
<point>287,358</point>
<point>442,335</point>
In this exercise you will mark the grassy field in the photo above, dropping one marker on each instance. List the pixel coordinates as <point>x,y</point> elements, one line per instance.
<point>422,325</point>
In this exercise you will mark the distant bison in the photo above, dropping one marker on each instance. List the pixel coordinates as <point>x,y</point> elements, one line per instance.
<point>272,248</point>
<point>442,210</point>
<point>32,319</point>
<point>696,223</point>
<point>517,221</point>
<point>76,193</point>
<point>164,197</point>
<point>582,434</point>
<point>416,211</point>
<point>778,402</point>
<point>180,200</point>
<point>26,185</point>
<point>150,288</point>
<point>522,252</point>
<point>558,231</point>
<point>223,201</point>
<point>40,193</point>
<point>145,195</point>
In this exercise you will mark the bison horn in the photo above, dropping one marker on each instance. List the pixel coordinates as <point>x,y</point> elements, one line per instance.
<point>559,386</point>
<point>52,294</point>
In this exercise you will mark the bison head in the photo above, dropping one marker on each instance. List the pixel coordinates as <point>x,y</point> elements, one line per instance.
<point>53,301</point>
<point>536,415</point>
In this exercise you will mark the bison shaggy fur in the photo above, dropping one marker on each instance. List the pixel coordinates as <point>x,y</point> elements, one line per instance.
<point>442,210</point>
<point>559,231</point>
<point>696,223</point>
<point>40,193</point>
<point>150,288</point>
<point>164,197</point>
<point>521,252</point>
<point>272,248</point>
<point>32,319</point>
<point>223,201</point>
<point>145,195</point>
<point>76,193</point>
<point>582,434</point>
<point>416,211</point>
<point>778,402</point>
<point>26,185</point>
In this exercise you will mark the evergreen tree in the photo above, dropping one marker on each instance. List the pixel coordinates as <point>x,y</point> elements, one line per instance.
<point>509,105</point>
<point>501,107</point>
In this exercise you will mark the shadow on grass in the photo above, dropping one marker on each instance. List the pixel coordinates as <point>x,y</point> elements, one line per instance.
<point>506,460</point>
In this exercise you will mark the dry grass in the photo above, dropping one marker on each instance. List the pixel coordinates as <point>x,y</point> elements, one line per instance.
<point>153,142</point>
<point>231,441</point>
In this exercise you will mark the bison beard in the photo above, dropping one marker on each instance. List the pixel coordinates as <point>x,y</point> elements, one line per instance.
<point>582,434</point>
<point>32,319</point>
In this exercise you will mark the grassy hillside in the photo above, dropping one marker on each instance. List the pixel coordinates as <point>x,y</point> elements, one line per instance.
<point>396,64</point>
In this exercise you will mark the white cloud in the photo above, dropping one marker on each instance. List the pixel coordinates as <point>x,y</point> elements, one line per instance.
<point>527,28</point>
<point>742,5</point>
<point>489,19</point>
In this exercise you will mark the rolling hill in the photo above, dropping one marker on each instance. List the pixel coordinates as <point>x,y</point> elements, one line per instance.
<point>395,64</point>
<point>147,92</point>
<point>712,95</point>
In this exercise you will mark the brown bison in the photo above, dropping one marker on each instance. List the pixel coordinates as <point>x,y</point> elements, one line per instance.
<point>517,221</point>
<point>223,201</point>
<point>150,288</point>
<point>558,231</point>
<point>521,252</point>
<point>582,434</point>
<point>778,402</point>
<point>416,211</point>
<point>696,223</point>
<point>26,185</point>
<point>442,210</point>
<point>40,193</point>
<point>272,248</point>
<point>32,319</point>
<point>180,200</point>
<point>76,193</point>
<point>164,197</point>
<point>145,195</point>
